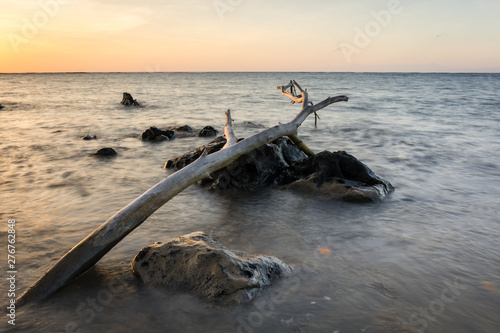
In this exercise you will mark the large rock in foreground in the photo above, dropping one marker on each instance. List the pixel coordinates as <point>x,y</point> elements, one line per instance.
<point>201,265</point>
<point>280,163</point>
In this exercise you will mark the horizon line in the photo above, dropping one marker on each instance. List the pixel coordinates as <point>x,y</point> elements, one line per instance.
<point>200,72</point>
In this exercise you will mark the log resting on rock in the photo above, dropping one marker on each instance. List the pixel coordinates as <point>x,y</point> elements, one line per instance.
<point>90,250</point>
<point>282,164</point>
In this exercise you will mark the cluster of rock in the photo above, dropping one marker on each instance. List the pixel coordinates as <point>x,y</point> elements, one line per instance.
<point>201,265</point>
<point>155,134</point>
<point>281,164</point>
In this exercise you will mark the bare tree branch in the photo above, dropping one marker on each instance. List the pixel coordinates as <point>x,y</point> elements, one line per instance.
<point>231,139</point>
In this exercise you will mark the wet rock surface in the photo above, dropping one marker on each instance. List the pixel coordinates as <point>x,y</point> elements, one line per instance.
<point>128,100</point>
<point>184,128</point>
<point>262,167</point>
<point>208,131</point>
<point>155,134</point>
<point>105,152</point>
<point>181,161</point>
<point>201,265</point>
<point>336,175</point>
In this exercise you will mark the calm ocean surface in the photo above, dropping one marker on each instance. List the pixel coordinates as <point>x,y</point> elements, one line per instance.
<point>425,260</point>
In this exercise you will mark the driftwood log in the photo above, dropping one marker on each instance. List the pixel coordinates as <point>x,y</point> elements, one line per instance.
<point>90,250</point>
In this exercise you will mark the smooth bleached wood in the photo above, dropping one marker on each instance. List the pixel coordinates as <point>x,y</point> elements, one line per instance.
<point>231,139</point>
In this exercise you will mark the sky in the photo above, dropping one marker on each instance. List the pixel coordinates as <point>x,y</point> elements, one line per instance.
<point>249,35</point>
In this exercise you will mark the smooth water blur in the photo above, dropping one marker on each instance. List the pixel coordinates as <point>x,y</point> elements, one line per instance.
<point>425,260</point>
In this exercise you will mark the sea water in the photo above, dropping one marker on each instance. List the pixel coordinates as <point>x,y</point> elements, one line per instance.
<point>427,259</point>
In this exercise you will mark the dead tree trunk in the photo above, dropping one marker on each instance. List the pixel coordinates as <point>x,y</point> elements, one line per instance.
<point>91,249</point>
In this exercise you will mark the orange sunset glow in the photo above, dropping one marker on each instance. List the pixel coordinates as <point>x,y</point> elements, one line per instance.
<point>98,35</point>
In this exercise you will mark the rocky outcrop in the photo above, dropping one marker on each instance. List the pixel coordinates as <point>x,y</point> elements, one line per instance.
<point>180,162</point>
<point>201,265</point>
<point>89,137</point>
<point>155,134</point>
<point>128,100</point>
<point>280,163</point>
<point>337,175</point>
<point>208,131</point>
<point>262,167</point>
<point>105,152</point>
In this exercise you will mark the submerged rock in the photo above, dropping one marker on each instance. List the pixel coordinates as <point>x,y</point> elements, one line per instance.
<point>201,265</point>
<point>1,106</point>
<point>185,128</point>
<point>128,100</point>
<point>155,134</point>
<point>280,163</point>
<point>208,131</point>
<point>105,152</point>
<point>89,137</point>
<point>184,131</point>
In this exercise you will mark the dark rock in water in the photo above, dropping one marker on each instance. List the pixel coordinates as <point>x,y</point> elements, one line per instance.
<point>129,100</point>
<point>338,175</point>
<point>185,128</point>
<point>105,152</point>
<point>1,106</point>
<point>156,134</point>
<point>189,157</point>
<point>280,163</point>
<point>208,131</point>
<point>201,265</point>
<point>182,131</point>
<point>257,169</point>
<point>89,137</point>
